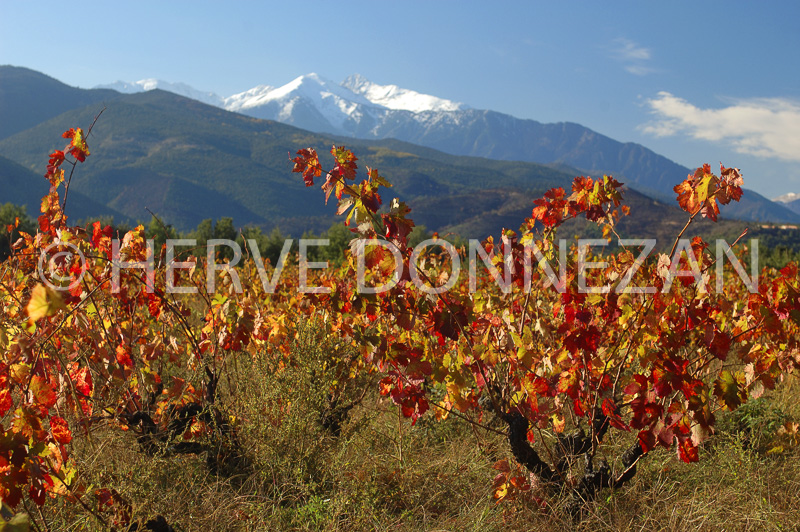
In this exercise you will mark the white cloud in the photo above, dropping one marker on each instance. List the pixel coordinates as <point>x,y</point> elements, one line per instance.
<point>764,127</point>
<point>632,56</point>
<point>629,50</point>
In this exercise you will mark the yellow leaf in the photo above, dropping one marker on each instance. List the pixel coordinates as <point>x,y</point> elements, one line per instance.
<point>594,299</point>
<point>707,188</point>
<point>559,423</point>
<point>44,302</point>
<point>525,357</point>
<point>19,372</point>
<point>501,492</point>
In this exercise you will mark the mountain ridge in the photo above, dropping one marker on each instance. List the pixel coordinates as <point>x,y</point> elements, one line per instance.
<point>361,109</point>
<point>187,161</point>
<point>31,97</point>
<point>164,149</point>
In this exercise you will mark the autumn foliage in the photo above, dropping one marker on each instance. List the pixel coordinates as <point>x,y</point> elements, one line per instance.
<point>564,366</point>
<point>565,370</point>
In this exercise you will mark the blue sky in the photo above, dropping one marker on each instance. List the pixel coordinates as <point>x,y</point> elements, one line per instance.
<point>697,81</point>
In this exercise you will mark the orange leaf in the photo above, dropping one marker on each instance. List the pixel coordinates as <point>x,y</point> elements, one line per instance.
<point>42,391</point>
<point>60,430</point>
<point>6,402</point>
<point>307,163</point>
<point>124,356</point>
<point>688,452</point>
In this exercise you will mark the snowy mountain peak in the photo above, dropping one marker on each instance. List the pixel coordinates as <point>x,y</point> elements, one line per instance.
<point>309,101</point>
<point>356,106</point>
<point>249,98</point>
<point>393,97</point>
<point>125,86</point>
<point>353,99</point>
<point>313,86</point>
<point>178,88</point>
<point>788,198</point>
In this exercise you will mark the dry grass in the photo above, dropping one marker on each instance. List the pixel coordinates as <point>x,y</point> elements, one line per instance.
<point>383,474</point>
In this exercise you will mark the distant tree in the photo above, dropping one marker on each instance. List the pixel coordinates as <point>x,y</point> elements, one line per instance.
<point>203,233</point>
<point>339,238</point>
<point>225,230</point>
<point>273,246</point>
<point>269,246</point>
<point>160,233</point>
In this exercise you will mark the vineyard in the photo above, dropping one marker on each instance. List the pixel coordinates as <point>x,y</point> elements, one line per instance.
<point>530,379</point>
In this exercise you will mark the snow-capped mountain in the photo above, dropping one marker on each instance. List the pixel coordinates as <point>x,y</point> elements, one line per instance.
<point>310,101</point>
<point>393,97</point>
<point>356,107</point>
<point>362,109</point>
<point>178,88</point>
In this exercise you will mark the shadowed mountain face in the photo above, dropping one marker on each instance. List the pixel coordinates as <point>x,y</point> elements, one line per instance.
<point>21,186</point>
<point>794,206</point>
<point>28,98</point>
